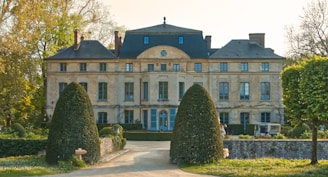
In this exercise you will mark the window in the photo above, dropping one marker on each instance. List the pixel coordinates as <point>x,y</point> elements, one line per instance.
<point>223,91</point>
<point>128,67</point>
<point>146,39</point>
<point>244,67</point>
<point>181,39</point>
<point>83,67</point>
<point>265,116</point>
<point>176,67</point>
<point>61,87</point>
<point>102,67</point>
<point>224,117</point>
<point>145,91</point>
<point>163,67</point>
<point>181,90</point>
<point>244,117</point>
<point>198,67</point>
<point>128,116</point>
<point>102,91</point>
<point>102,118</point>
<point>150,67</point>
<point>265,67</point>
<point>244,91</point>
<point>84,85</point>
<point>63,67</point>
<point>128,93</point>
<point>163,91</point>
<point>145,119</point>
<point>224,67</point>
<point>265,90</point>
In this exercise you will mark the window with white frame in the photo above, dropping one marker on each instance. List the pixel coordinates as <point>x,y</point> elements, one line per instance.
<point>128,67</point>
<point>102,118</point>
<point>244,67</point>
<point>244,91</point>
<point>128,90</point>
<point>265,67</point>
<point>265,91</point>
<point>163,93</point>
<point>102,91</point>
<point>223,91</point>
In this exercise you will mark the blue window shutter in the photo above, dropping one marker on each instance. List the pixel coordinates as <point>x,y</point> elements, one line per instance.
<point>172,117</point>
<point>153,119</point>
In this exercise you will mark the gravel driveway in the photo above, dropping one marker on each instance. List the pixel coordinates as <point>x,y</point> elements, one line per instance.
<point>139,159</point>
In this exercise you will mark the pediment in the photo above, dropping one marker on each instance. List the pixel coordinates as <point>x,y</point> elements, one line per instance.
<point>163,52</point>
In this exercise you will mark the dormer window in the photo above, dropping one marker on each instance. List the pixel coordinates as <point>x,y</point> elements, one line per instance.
<point>146,40</point>
<point>181,39</point>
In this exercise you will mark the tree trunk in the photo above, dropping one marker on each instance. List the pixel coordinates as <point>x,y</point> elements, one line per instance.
<point>314,156</point>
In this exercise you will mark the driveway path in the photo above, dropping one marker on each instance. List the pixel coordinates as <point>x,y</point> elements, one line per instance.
<point>141,159</point>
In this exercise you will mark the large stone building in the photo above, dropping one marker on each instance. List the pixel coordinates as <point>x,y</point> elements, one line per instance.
<point>144,78</point>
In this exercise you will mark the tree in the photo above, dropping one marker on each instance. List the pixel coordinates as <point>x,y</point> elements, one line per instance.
<point>31,31</point>
<point>73,126</point>
<point>196,135</point>
<point>311,37</point>
<point>305,94</point>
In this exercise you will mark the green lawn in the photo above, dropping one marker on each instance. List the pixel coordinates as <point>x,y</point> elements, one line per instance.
<point>261,167</point>
<point>30,166</point>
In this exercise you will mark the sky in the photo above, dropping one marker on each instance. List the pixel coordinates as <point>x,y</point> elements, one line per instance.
<point>224,20</point>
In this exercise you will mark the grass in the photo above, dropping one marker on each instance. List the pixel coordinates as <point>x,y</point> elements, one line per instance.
<point>31,166</point>
<point>261,167</point>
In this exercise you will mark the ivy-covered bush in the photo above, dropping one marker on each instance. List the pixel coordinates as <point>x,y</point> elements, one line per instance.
<point>196,137</point>
<point>73,126</point>
<point>19,129</point>
<point>106,131</point>
<point>119,141</point>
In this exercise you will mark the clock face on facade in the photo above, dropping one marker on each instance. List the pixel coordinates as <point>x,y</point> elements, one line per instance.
<point>163,53</point>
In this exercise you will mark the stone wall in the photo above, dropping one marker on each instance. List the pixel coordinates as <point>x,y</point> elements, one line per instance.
<point>106,146</point>
<point>289,149</point>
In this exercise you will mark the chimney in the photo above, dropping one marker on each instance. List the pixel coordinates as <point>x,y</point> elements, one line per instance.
<point>77,39</point>
<point>257,38</point>
<point>118,43</point>
<point>208,40</point>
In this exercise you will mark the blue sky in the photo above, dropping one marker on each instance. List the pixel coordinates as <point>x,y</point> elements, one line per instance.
<point>222,19</point>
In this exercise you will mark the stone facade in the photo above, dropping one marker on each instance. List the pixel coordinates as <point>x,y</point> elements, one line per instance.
<point>288,149</point>
<point>147,85</point>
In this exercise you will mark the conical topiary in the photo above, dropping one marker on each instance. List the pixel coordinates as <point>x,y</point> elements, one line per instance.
<point>73,126</point>
<point>196,135</point>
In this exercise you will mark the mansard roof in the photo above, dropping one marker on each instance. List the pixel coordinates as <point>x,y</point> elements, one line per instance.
<point>88,49</point>
<point>237,49</point>
<point>164,34</point>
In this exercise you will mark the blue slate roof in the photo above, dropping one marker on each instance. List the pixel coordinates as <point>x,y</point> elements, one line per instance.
<point>164,34</point>
<point>89,49</point>
<point>244,49</point>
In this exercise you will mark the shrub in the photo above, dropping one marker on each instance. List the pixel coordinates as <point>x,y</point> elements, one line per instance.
<point>17,127</point>
<point>279,136</point>
<point>106,131</point>
<point>73,126</point>
<point>321,134</point>
<point>297,131</point>
<point>196,137</point>
<point>245,136</point>
<point>148,136</point>
<point>306,135</point>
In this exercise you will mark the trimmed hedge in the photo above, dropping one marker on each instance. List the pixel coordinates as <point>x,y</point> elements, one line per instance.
<point>238,129</point>
<point>73,126</point>
<point>19,147</point>
<point>148,136</point>
<point>196,137</point>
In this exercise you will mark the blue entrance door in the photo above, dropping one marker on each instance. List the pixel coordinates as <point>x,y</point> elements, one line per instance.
<point>163,121</point>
